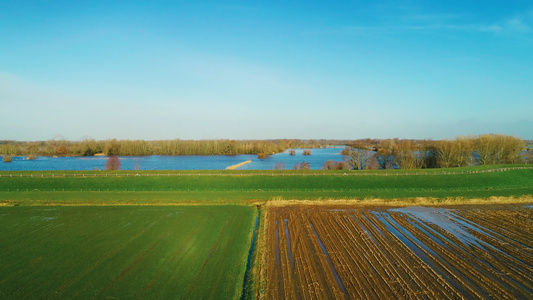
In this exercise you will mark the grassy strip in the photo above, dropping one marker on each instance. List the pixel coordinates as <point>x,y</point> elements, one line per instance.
<point>236,197</point>
<point>351,186</point>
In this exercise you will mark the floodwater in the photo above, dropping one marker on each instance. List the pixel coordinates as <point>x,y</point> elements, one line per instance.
<point>185,162</point>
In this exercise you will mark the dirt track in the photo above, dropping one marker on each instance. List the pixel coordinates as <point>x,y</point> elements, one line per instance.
<point>379,253</point>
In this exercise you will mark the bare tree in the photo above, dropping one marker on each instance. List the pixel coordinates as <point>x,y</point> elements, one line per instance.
<point>357,156</point>
<point>497,148</point>
<point>384,156</point>
<point>113,163</point>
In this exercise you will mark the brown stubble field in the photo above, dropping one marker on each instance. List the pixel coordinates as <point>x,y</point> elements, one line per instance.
<point>370,252</point>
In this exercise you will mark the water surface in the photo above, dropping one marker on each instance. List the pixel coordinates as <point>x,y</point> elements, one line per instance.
<point>185,162</point>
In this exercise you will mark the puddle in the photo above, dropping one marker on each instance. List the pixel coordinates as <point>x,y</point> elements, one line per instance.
<point>332,268</point>
<point>490,233</point>
<point>288,243</point>
<point>416,246</point>
<point>442,218</point>
<point>461,228</point>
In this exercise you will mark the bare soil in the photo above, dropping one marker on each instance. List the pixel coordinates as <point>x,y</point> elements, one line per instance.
<point>358,252</point>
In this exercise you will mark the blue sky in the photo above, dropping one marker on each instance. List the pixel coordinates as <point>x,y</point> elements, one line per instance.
<point>272,69</point>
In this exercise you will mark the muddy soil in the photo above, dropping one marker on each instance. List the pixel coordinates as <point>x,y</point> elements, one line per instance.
<point>397,253</point>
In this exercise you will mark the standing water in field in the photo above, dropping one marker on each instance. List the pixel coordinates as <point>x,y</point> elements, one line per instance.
<point>444,219</point>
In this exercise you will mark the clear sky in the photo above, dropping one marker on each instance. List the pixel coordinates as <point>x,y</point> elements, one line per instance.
<point>265,69</point>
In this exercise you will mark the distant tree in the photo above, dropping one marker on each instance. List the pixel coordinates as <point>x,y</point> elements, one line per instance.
<point>32,148</point>
<point>384,158</point>
<point>112,148</point>
<point>307,152</point>
<point>113,163</point>
<point>408,155</point>
<point>62,150</point>
<point>292,152</point>
<point>497,149</point>
<point>428,154</point>
<point>357,156</point>
<point>230,148</point>
<point>7,158</point>
<point>262,155</point>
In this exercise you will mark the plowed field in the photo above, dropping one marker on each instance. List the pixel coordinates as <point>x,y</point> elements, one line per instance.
<point>382,253</point>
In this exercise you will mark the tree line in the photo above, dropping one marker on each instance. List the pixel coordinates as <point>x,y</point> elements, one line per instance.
<point>113,147</point>
<point>486,149</point>
<point>359,154</point>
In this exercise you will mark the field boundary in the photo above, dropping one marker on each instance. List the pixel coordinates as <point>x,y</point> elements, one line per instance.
<point>241,174</point>
<point>259,190</point>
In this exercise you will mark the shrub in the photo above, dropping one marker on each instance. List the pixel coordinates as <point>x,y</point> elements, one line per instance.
<point>7,158</point>
<point>302,166</point>
<point>307,152</point>
<point>292,152</point>
<point>335,165</point>
<point>262,155</point>
<point>113,163</point>
<point>31,157</point>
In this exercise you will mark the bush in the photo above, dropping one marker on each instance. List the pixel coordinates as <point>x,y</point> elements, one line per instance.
<point>302,166</point>
<point>113,163</point>
<point>31,157</point>
<point>262,155</point>
<point>307,152</point>
<point>335,165</point>
<point>292,152</point>
<point>7,158</point>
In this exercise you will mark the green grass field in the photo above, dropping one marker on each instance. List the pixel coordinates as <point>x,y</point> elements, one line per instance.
<point>163,252</point>
<point>237,188</point>
<point>179,234</point>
